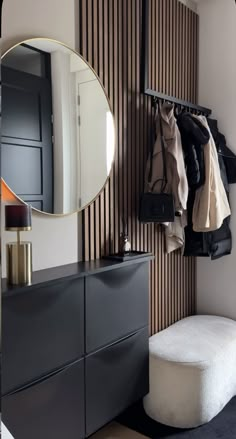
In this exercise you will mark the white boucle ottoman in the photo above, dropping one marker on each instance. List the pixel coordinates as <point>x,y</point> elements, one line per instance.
<point>192,371</point>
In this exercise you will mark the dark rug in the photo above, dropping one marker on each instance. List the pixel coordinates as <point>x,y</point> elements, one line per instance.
<point>222,426</point>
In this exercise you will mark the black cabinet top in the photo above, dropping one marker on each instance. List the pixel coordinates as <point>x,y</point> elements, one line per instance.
<point>70,271</point>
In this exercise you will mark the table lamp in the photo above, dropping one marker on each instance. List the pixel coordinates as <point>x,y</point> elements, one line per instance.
<point>19,253</point>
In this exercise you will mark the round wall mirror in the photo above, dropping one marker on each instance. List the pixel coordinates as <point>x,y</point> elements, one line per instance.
<point>58,139</point>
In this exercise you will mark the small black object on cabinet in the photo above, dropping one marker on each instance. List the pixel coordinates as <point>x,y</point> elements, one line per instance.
<point>74,348</point>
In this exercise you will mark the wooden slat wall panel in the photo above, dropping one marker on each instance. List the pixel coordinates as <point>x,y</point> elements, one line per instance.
<point>110,39</point>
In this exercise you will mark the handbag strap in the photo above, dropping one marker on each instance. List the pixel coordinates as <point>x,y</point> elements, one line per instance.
<point>152,147</point>
<point>163,147</point>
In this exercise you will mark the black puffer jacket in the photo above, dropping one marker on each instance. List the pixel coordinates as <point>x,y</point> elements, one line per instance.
<point>193,135</point>
<point>224,152</point>
<point>218,243</point>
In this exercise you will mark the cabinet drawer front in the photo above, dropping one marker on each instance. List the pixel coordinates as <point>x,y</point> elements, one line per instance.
<point>52,408</point>
<point>116,304</point>
<point>116,377</point>
<point>42,330</point>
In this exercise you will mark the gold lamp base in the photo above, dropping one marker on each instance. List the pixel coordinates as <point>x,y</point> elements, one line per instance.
<point>19,263</point>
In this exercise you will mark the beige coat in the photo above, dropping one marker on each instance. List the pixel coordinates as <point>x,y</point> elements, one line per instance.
<point>176,174</point>
<point>211,204</point>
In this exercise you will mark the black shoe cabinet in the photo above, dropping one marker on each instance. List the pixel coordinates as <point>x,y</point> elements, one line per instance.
<point>74,348</point>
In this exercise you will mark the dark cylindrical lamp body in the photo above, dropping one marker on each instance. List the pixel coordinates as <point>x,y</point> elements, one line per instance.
<point>18,217</point>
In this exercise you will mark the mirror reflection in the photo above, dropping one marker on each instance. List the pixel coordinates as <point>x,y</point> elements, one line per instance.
<point>57,127</point>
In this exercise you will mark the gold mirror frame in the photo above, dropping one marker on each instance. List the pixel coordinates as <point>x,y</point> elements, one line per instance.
<point>28,40</point>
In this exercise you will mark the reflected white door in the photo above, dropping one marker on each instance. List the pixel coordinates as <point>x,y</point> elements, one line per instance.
<point>93,157</point>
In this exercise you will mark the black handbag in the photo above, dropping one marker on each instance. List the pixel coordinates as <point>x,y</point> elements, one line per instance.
<point>157,207</point>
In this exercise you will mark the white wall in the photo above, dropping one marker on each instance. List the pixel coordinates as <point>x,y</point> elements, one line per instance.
<point>217,90</point>
<point>30,18</point>
<point>55,240</point>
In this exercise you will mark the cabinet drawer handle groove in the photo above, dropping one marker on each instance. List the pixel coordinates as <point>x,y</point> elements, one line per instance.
<point>117,342</point>
<point>41,380</point>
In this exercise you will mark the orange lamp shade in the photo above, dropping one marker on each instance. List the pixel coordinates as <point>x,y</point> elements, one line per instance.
<point>7,194</point>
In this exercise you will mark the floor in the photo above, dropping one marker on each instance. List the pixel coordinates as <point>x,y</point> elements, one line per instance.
<point>136,425</point>
<point>222,426</point>
<point>117,431</point>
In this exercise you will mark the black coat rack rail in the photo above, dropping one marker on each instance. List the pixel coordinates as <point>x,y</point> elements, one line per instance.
<point>156,96</point>
<point>180,104</point>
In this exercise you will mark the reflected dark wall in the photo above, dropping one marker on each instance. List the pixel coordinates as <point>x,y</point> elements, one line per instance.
<point>27,165</point>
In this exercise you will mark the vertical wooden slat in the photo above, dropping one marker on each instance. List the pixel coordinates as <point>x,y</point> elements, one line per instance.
<point>191,57</point>
<point>185,43</point>
<point>133,140</point>
<point>154,44</point>
<point>196,58</point>
<point>189,12</point>
<point>160,36</point>
<point>168,48</point>
<point>184,288</point>
<point>196,32</point>
<point>177,48</point>
<point>175,288</point>
<point>110,39</point>
<point>116,114</point>
<point>92,243</point>
<point>120,113</point>
<point>173,54</point>
<point>157,34</point>
<point>141,134</point>
<point>169,269</point>
<point>95,44</point>
<point>137,148</point>
<point>181,48</point>
<point>111,96</point>
<point>159,271</point>
<point>129,120</point>
<point>83,50</point>
<point>188,283</point>
<point>101,53</point>
<point>171,43</point>
<point>149,44</point>
<point>125,114</point>
<point>164,45</point>
<point>106,67</point>
<point>90,30</point>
